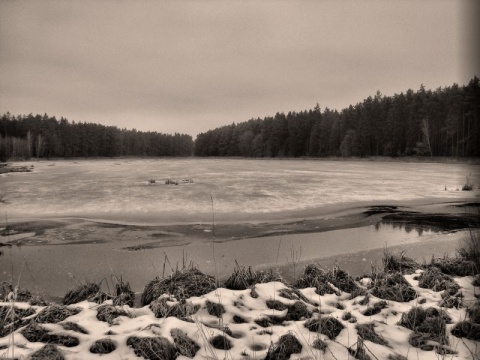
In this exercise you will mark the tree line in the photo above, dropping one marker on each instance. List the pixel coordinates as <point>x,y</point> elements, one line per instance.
<point>46,137</point>
<point>443,122</point>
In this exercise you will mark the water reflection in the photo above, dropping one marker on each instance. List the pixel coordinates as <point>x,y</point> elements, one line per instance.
<point>408,227</point>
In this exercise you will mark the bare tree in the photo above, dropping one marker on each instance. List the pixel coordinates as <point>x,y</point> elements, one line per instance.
<point>426,133</point>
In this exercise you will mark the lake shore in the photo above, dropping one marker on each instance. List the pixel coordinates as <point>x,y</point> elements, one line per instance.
<point>64,231</point>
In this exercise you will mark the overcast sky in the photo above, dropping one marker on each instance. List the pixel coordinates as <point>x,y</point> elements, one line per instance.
<point>189,66</point>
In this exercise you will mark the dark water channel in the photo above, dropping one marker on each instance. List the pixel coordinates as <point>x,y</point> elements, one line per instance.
<point>54,269</point>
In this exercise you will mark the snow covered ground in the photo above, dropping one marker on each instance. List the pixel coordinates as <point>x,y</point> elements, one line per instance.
<point>251,321</point>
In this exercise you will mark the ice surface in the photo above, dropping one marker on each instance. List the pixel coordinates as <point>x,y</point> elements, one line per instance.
<point>118,189</point>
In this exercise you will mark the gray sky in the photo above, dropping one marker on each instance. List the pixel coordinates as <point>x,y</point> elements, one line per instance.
<point>189,66</point>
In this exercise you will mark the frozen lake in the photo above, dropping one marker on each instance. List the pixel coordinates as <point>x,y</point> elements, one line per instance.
<point>118,189</point>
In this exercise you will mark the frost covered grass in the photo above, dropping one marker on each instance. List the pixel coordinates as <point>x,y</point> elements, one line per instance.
<point>404,311</point>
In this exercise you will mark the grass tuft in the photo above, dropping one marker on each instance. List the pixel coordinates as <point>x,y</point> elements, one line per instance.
<point>297,311</point>
<point>295,294</point>
<point>392,286</point>
<point>182,310</point>
<point>55,313</point>
<point>432,278</point>
<point>152,348</point>
<point>315,276</point>
<point>185,346</point>
<point>81,293</point>
<point>367,332</point>
<point>470,246</point>
<point>238,319</point>
<point>359,353</point>
<point>466,329</point>
<point>287,345</point>
<point>21,295</point>
<point>35,333</point>
<point>328,326</point>
<point>347,316</point>
<point>396,357</point>
<point>123,294</point>
<point>319,344</point>
<point>9,322</point>
<point>74,327</point>
<point>455,266</point>
<point>108,313</point>
<point>47,352</point>
<point>398,263</point>
<point>476,280</point>
<point>103,346</point>
<point>276,305</point>
<point>221,342</point>
<point>242,278</point>
<point>215,309</point>
<point>474,312</point>
<point>429,326</point>
<point>181,284</point>
<point>375,309</point>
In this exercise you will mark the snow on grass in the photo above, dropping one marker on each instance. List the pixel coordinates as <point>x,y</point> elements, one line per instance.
<point>265,321</point>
